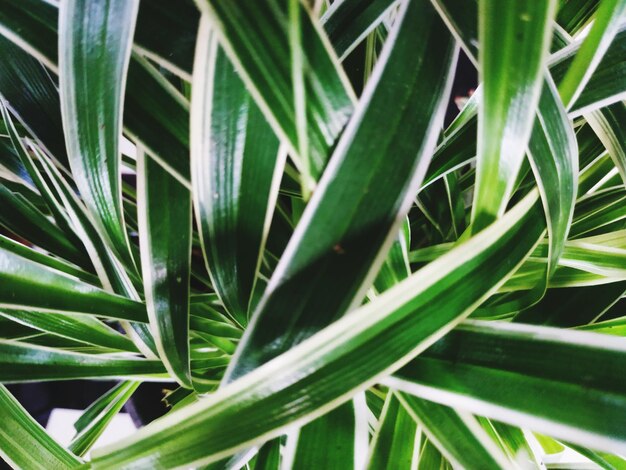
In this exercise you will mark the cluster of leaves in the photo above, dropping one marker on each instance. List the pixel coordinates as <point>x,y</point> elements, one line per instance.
<point>328,277</point>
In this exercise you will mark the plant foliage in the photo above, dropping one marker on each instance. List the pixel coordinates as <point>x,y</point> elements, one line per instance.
<point>260,203</point>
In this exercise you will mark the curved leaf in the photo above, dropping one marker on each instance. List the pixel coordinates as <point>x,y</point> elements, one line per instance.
<point>345,231</point>
<point>249,32</point>
<point>349,355</point>
<point>236,171</point>
<point>94,50</point>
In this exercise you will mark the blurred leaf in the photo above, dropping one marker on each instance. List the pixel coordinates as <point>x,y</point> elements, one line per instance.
<point>24,443</point>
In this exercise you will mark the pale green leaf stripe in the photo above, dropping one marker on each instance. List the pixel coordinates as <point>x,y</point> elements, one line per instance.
<point>607,21</point>
<point>345,232</point>
<point>25,444</point>
<point>249,32</point>
<point>457,435</point>
<point>94,51</point>
<point>349,355</point>
<point>164,212</point>
<point>499,370</point>
<point>23,362</point>
<point>90,432</point>
<point>396,442</point>
<point>514,42</point>
<point>237,168</point>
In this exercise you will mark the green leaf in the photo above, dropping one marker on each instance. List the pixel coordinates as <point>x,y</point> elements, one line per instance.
<point>607,21</point>
<point>236,172</point>
<point>602,89</point>
<point>154,113</point>
<point>23,362</point>
<point>396,442</point>
<point>576,306</point>
<point>334,441</point>
<point>553,154</point>
<point>32,95</point>
<point>604,460</point>
<point>248,33</point>
<point>514,43</point>
<point>269,456</point>
<point>24,443</point>
<point>456,434</point>
<point>98,416</point>
<point>46,260</point>
<point>348,22</point>
<point>79,327</point>
<point>498,370</point>
<point>164,208</point>
<point>430,457</point>
<point>57,291</point>
<point>608,124</point>
<point>157,116</point>
<point>461,19</point>
<point>348,356</point>
<point>24,220</point>
<point>109,270</point>
<point>345,232</point>
<point>575,14</point>
<point>166,33</point>
<point>94,51</point>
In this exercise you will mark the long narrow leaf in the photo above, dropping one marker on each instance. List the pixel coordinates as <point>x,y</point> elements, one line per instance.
<point>164,207</point>
<point>514,41</point>
<point>23,362</point>
<point>248,32</point>
<point>486,368</point>
<point>348,356</point>
<point>236,170</point>
<point>94,50</point>
<point>344,233</point>
<point>25,444</point>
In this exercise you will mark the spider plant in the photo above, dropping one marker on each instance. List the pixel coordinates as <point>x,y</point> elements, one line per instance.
<point>258,202</point>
